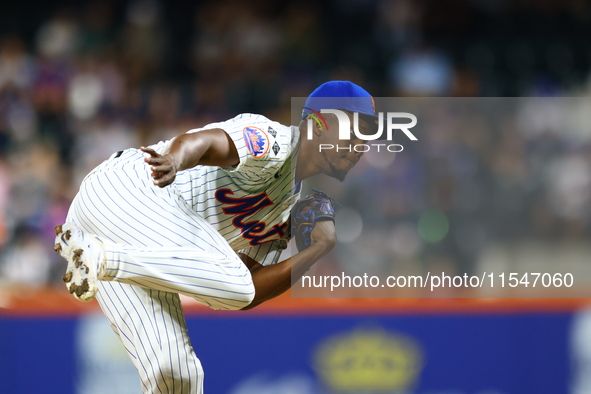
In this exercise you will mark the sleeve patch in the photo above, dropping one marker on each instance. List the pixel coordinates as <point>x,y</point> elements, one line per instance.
<point>256,140</point>
<point>276,148</point>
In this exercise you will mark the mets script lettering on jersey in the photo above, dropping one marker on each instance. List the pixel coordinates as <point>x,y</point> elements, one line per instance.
<point>248,206</point>
<point>256,140</point>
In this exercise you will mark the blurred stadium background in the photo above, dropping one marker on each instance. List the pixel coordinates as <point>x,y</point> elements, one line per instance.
<point>81,80</point>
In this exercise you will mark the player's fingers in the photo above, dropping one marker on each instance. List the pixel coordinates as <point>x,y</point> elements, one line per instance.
<point>158,175</point>
<point>152,163</point>
<point>153,157</point>
<point>150,151</point>
<point>157,158</point>
<point>165,180</point>
<point>161,168</point>
<point>165,177</point>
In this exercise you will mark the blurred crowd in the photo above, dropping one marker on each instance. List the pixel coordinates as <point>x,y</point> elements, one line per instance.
<point>81,80</point>
<point>492,184</point>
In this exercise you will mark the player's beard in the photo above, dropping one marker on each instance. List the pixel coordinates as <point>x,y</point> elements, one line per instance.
<point>334,172</point>
<point>338,174</point>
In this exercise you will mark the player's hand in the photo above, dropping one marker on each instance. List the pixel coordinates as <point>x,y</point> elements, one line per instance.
<point>163,168</point>
<point>324,234</point>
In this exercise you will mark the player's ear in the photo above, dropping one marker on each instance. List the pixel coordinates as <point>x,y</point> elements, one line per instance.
<point>317,124</point>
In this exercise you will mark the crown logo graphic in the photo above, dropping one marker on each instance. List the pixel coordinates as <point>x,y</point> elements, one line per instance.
<point>368,361</point>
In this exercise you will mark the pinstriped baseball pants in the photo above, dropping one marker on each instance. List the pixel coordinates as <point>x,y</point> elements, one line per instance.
<point>157,247</point>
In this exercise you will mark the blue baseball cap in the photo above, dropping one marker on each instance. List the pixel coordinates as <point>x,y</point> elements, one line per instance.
<point>342,95</point>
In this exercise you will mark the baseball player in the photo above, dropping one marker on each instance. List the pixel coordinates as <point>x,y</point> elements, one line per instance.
<point>206,215</point>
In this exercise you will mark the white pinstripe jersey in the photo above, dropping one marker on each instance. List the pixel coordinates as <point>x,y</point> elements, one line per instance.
<point>248,204</point>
